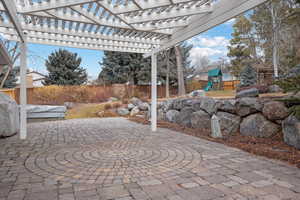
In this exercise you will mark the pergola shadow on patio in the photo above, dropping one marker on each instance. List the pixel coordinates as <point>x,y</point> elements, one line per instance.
<point>116,159</point>
<point>140,26</point>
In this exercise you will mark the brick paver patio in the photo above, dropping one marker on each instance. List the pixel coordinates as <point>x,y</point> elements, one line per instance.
<point>104,159</point>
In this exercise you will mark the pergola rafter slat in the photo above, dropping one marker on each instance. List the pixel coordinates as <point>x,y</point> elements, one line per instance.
<point>139,26</point>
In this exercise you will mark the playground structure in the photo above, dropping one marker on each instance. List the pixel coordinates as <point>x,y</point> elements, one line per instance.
<point>215,80</point>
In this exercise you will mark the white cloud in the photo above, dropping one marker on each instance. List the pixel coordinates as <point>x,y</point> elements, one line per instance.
<point>209,41</point>
<point>230,22</point>
<point>199,52</point>
<point>210,47</point>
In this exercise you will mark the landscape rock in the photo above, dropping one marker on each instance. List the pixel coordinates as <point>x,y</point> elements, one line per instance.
<point>227,106</point>
<point>215,127</point>
<point>161,115</point>
<point>275,110</point>
<point>134,111</point>
<point>69,105</point>
<point>229,123</point>
<point>246,106</point>
<point>144,106</point>
<point>253,92</point>
<point>172,115</point>
<point>201,120</point>
<point>123,111</point>
<point>275,89</point>
<point>130,106</point>
<point>197,93</point>
<point>166,105</point>
<point>291,131</point>
<point>257,125</point>
<point>9,116</point>
<point>205,103</point>
<point>178,103</point>
<point>135,101</point>
<point>184,117</point>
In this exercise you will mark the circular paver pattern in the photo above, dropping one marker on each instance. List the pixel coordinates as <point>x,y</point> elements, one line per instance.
<point>120,159</point>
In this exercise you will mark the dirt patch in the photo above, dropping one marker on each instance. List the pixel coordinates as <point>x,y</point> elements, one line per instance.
<point>273,147</point>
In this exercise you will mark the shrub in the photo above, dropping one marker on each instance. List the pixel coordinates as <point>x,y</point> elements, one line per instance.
<point>57,95</point>
<point>107,106</point>
<point>248,76</point>
<point>291,83</point>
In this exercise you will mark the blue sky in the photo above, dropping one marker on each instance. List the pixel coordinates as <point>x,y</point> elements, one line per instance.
<point>211,44</point>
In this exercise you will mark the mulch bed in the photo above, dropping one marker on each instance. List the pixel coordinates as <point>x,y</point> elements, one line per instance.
<point>273,147</point>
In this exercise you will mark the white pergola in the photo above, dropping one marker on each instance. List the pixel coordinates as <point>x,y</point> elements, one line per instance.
<point>139,26</point>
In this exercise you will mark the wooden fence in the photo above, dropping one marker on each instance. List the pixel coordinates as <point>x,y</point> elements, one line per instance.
<point>57,95</point>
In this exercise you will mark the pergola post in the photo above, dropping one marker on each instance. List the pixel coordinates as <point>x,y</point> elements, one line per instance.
<point>23,90</point>
<point>154,92</point>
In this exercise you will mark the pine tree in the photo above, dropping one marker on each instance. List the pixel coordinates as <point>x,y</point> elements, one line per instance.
<point>64,69</point>
<point>242,46</point>
<point>119,67</point>
<point>248,76</point>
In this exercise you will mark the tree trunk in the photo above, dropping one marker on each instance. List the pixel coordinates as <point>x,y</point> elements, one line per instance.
<point>168,74</point>
<point>181,87</point>
<point>275,27</point>
<point>5,77</point>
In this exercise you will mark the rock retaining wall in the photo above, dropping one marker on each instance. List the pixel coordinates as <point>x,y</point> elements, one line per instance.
<point>249,116</point>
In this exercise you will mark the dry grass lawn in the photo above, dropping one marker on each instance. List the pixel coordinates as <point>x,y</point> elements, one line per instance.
<point>92,110</point>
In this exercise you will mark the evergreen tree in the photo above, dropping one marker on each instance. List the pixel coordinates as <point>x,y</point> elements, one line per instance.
<point>64,69</point>
<point>248,76</point>
<point>242,46</point>
<point>119,67</point>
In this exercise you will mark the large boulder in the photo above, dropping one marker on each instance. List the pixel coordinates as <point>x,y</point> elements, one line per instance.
<point>229,123</point>
<point>9,116</point>
<point>179,104</point>
<point>291,131</point>
<point>275,110</point>
<point>134,111</point>
<point>166,105</point>
<point>184,117</point>
<point>227,106</point>
<point>215,127</point>
<point>161,115</point>
<point>123,111</point>
<point>253,92</point>
<point>275,89</point>
<point>135,101</point>
<point>258,126</point>
<point>172,115</point>
<point>130,106</point>
<point>246,106</point>
<point>201,120</point>
<point>205,103</point>
<point>144,106</point>
<point>197,93</point>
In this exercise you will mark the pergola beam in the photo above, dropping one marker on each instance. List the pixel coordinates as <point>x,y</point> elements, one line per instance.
<point>79,44</point>
<point>10,6</point>
<point>73,33</point>
<point>169,15</point>
<point>223,11</point>
<point>52,4</point>
<point>5,58</point>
